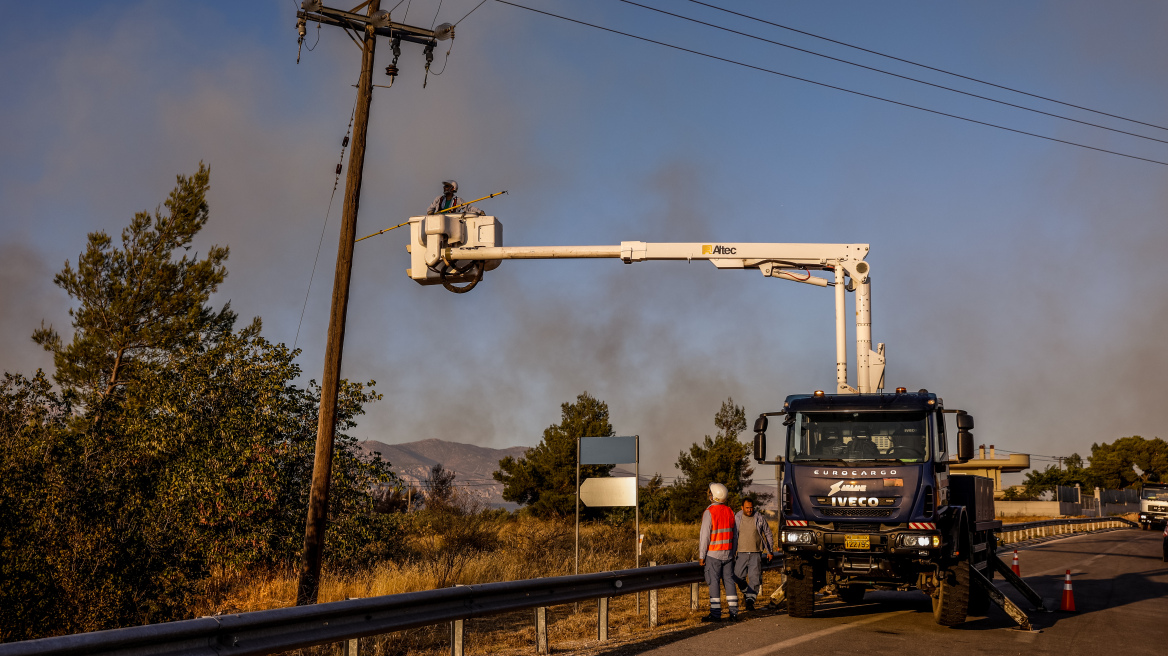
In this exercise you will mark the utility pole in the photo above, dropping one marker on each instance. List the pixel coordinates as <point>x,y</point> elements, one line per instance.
<point>373,24</point>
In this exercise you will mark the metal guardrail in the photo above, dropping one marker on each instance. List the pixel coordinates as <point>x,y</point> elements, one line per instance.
<point>1011,533</point>
<point>283,629</point>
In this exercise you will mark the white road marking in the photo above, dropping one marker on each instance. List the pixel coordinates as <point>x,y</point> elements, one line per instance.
<point>798,640</point>
<point>1079,565</point>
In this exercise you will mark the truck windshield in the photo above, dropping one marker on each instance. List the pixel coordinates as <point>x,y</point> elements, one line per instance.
<point>854,436</point>
<point>1156,494</point>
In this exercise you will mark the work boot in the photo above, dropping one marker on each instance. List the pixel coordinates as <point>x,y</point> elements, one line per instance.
<point>749,604</point>
<point>711,618</point>
<point>733,617</point>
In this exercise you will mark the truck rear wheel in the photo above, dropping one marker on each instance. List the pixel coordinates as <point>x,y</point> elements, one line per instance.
<point>851,594</point>
<point>800,586</point>
<point>979,599</point>
<point>951,600</point>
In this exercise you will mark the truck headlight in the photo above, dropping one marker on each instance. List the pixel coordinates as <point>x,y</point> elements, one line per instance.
<point>918,541</point>
<point>798,537</point>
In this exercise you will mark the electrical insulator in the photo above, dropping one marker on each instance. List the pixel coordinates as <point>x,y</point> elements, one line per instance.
<point>391,70</point>
<point>345,142</point>
<point>429,52</point>
<point>338,168</point>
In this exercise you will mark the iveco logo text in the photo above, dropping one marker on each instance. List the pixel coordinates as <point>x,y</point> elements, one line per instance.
<point>847,487</point>
<point>855,472</point>
<point>708,249</point>
<point>855,501</point>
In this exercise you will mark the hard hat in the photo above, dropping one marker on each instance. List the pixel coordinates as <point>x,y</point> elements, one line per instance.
<point>452,183</point>
<point>719,492</point>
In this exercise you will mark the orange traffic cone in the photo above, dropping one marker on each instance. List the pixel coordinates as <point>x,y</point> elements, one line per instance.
<point>1068,605</point>
<point>1014,567</point>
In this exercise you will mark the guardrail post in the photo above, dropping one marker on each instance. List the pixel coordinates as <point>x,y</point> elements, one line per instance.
<point>351,646</point>
<point>456,630</point>
<point>541,638</point>
<point>653,602</point>
<point>693,596</point>
<point>602,619</point>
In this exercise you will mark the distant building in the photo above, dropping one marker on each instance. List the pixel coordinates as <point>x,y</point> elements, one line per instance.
<point>992,467</point>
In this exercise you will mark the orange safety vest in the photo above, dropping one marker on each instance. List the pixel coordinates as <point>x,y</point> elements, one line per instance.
<point>721,527</point>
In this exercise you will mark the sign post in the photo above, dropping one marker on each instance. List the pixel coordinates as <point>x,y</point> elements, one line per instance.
<point>601,492</point>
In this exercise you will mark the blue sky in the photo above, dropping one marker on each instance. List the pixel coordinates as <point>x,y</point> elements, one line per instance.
<point>1019,278</point>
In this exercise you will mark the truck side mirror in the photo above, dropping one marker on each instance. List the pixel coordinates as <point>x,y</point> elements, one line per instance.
<point>964,444</point>
<point>760,424</point>
<point>760,442</point>
<point>964,420</point>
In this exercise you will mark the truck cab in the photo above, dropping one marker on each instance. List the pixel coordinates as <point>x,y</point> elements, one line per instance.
<point>1153,505</point>
<point>868,501</point>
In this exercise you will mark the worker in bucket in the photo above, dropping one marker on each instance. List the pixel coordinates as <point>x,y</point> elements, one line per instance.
<point>448,200</point>
<point>716,548</point>
<point>755,541</point>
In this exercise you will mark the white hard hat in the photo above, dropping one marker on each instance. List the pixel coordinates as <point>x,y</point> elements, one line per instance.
<point>452,183</point>
<point>719,492</point>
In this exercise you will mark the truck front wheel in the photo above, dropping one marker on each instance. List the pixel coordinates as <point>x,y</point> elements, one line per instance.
<point>800,587</point>
<point>951,599</point>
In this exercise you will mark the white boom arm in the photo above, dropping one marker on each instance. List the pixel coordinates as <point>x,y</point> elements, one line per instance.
<point>455,248</point>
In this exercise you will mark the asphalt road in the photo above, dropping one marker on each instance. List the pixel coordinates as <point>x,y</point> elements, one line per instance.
<point>1120,587</point>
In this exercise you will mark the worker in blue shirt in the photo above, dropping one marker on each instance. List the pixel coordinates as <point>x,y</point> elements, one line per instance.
<point>448,199</point>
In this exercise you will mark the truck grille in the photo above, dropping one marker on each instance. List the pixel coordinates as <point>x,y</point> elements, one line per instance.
<point>857,528</point>
<point>856,512</point>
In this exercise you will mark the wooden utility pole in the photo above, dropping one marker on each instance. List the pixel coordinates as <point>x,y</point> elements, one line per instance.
<point>326,427</point>
<point>374,23</point>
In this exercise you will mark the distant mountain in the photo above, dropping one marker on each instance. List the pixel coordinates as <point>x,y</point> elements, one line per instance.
<point>472,465</point>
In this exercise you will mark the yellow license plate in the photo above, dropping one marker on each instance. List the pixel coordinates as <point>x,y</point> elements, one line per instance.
<point>857,542</point>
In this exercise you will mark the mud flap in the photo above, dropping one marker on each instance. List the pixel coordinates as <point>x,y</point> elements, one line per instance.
<point>1012,609</point>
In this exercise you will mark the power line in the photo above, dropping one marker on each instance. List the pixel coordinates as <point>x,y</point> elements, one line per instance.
<point>480,4</point>
<point>890,73</point>
<point>925,66</point>
<point>323,228</point>
<point>830,86</point>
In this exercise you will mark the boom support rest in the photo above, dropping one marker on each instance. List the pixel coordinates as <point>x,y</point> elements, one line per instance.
<point>1012,609</point>
<point>1017,582</point>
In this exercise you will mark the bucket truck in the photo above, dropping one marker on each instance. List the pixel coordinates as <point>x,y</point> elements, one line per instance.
<point>867,498</point>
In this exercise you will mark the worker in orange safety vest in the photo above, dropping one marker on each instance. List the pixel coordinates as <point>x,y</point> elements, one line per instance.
<point>717,545</point>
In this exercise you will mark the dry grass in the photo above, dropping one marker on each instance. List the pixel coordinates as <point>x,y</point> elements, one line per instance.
<point>1026,518</point>
<point>519,549</point>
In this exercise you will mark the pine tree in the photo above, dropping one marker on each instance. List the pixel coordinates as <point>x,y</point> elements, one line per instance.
<point>136,303</point>
<point>544,479</point>
<point>188,454</point>
<point>721,459</point>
